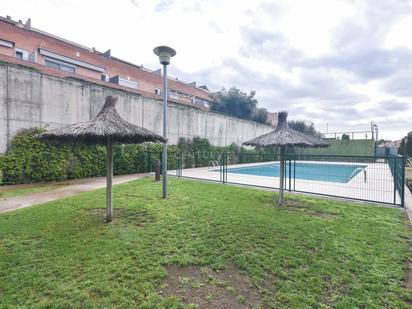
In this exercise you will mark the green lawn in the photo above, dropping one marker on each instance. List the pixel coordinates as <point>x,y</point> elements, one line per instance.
<point>14,191</point>
<point>313,253</point>
<point>356,147</point>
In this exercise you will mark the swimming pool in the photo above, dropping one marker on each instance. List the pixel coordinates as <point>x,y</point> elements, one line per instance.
<point>341,173</point>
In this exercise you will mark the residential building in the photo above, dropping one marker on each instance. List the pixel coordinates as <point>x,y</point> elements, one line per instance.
<point>272,119</point>
<point>22,43</point>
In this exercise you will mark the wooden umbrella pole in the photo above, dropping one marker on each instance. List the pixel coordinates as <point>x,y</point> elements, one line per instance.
<point>281,173</point>
<point>109,178</point>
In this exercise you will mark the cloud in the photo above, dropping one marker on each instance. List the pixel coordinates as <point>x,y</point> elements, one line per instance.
<point>335,61</point>
<point>394,106</point>
<point>268,45</point>
<point>367,28</point>
<point>164,5</point>
<point>366,64</point>
<point>399,85</point>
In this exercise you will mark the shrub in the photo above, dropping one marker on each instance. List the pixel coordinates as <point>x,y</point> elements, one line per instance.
<point>30,160</point>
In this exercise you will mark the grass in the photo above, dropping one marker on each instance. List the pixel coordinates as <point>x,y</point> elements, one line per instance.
<point>320,253</point>
<point>14,191</point>
<point>348,147</point>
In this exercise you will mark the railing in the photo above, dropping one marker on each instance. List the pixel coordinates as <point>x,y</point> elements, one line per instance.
<point>366,178</point>
<point>397,165</point>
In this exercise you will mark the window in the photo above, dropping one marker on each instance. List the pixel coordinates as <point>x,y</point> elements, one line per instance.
<point>52,64</point>
<point>105,77</point>
<point>19,55</point>
<point>157,91</point>
<point>22,54</point>
<point>60,66</point>
<point>174,95</point>
<point>201,102</point>
<point>124,82</point>
<point>67,68</point>
<point>69,62</point>
<point>6,43</point>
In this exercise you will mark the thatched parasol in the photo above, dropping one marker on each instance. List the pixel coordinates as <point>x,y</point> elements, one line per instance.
<point>106,128</point>
<point>284,136</point>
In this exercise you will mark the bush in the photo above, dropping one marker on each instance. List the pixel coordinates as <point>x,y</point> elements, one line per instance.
<point>86,161</point>
<point>30,160</point>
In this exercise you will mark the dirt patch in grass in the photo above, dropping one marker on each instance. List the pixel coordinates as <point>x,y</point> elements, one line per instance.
<point>408,276</point>
<point>300,207</point>
<point>137,217</point>
<point>206,288</point>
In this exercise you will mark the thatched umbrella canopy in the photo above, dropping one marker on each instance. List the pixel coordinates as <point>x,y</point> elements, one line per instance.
<point>106,128</point>
<point>284,136</point>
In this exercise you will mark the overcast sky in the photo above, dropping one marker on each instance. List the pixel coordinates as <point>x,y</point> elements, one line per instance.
<point>343,62</point>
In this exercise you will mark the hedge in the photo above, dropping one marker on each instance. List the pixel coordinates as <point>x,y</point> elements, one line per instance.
<point>28,160</point>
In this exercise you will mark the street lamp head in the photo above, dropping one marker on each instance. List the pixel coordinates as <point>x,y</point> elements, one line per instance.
<point>164,53</point>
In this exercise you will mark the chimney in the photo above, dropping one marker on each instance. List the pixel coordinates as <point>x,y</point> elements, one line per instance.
<point>20,24</point>
<point>107,54</point>
<point>27,25</point>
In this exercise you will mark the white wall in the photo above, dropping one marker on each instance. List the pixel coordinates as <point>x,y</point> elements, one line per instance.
<point>29,98</point>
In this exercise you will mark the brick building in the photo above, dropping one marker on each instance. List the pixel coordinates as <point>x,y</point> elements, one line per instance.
<point>272,119</point>
<point>23,44</point>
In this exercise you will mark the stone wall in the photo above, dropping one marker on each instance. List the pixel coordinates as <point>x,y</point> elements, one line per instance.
<point>29,98</point>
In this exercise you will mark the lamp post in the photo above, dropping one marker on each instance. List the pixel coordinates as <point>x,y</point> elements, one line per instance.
<point>165,53</point>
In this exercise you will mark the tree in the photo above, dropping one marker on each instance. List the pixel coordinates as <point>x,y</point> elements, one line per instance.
<point>304,127</point>
<point>260,115</point>
<point>238,103</point>
<point>345,137</point>
<point>405,148</point>
<point>408,144</point>
<point>401,149</point>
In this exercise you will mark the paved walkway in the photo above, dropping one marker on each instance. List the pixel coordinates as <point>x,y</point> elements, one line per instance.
<point>13,203</point>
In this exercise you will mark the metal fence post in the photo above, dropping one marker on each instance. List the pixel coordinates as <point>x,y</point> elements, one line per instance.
<point>149,163</point>
<point>221,167</point>
<point>178,167</point>
<point>290,175</point>
<point>403,181</point>
<point>395,177</point>
<point>294,174</point>
<point>224,166</point>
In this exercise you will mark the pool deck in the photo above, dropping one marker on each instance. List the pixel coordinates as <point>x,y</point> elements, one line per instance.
<point>377,187</point>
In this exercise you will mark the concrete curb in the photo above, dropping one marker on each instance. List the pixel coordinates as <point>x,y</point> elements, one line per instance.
<point>408,203</point>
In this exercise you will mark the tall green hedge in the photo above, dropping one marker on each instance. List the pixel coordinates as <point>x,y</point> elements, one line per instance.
<point>29,160</point>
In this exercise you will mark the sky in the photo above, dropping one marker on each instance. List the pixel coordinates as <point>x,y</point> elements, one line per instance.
<point>337,63</point>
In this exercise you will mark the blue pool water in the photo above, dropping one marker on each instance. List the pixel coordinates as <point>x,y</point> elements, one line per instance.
<point>309,171</point>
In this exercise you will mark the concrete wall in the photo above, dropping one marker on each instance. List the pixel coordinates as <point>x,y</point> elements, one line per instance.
<point>29,98</point>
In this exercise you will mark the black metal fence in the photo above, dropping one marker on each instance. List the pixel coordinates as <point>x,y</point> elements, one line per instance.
<point>366,178</point>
